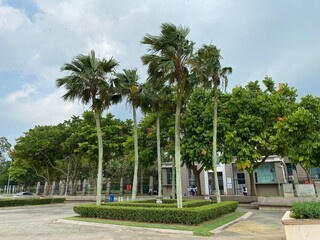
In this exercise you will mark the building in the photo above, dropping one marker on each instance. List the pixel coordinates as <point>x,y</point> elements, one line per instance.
<point>268,177</point>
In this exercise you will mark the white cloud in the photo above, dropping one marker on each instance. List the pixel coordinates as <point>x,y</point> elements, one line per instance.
<point>25,92</point>
<point>10,18</point>
<point>45,110</point>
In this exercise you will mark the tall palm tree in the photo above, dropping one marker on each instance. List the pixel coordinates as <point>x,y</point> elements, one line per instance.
<point>154,97</point>
<point>169,53</point>
<point>128,82</point>
<point>89,82</point>
<point>207,67</point>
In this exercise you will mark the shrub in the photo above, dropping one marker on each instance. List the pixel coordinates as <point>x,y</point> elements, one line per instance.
<point>167,203</point>
<point>188,216</point>
<point>6,202</point>
<point>305,210</point>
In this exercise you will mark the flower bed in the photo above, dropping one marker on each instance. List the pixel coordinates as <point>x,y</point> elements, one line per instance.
<point>303,221</point>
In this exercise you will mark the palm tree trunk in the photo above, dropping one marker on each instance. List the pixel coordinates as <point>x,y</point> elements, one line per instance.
<point>214,143</point>
<point>100,159</point>
<point>136,157</point>
<point>173,182</point>
<point>159,157</point>
<point>177,152</point>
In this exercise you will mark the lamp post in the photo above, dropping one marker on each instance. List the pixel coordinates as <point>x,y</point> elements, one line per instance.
<point>9,177</point>
<point>67,181</point>
<point>8,184</point>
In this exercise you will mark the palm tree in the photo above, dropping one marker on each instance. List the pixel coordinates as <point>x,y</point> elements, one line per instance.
<point>128,82</point>
<point>88,82</point>
<point>169,53</point>
<point>153,99</point>
<point>208,69</point>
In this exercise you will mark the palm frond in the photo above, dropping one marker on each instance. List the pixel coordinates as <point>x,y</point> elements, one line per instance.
<point>88,80</point>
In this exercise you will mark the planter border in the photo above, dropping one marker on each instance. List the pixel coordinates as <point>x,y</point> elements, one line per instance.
<point>287,220</point>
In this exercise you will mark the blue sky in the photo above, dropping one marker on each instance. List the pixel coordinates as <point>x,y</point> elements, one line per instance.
<point>278,38</point>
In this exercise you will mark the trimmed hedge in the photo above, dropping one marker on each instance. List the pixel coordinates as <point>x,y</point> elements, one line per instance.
<point>189,216</point>
<point>305,210</point>
<point>5,202</point>
<point>167,203</point>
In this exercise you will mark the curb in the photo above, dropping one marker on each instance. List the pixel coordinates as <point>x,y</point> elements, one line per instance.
<point>143,229</point>
<point>124,228</point>
<point>220,229</point>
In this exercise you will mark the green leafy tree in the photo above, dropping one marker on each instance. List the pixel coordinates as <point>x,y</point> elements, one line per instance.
<point>170,53</point>
<point>4,146</point>
<point>39,153</point>
<point>208,69</point>
<point>116,133</point>
<point>90,82</point>
<point>299,133</point>
<point>250,116</point>
<point>76,164</point>
<point>4,163</point>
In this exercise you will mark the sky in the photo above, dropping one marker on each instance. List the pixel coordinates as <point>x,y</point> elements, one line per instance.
<point>278,38</point>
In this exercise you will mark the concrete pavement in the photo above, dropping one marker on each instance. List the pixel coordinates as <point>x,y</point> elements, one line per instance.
<point>42,223</point>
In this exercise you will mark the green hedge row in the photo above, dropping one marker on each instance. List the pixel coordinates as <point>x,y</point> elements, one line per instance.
<point>189,216</point>
<point>5,202</point>
<point>305,210</point>
<point>165,203</point>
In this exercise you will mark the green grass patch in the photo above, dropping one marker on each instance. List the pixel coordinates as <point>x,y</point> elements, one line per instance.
<point>199,230</point>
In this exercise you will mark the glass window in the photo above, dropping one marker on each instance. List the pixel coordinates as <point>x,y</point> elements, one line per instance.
<point>265,173</point>
<point>315,173</point>
<point>241,178</point>
<point>290,168</point>
<point>169,175</point>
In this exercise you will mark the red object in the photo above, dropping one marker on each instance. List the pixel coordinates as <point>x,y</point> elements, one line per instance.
<point>312,182</point>
<point>129,187</point>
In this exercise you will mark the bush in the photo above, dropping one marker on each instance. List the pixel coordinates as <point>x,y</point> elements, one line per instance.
<point>305,210</point>
<point>29,201</point>
<point>189,216</point>
<point>166,203</point>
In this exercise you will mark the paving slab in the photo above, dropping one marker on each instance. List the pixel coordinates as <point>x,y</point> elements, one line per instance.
<point>45,223</point>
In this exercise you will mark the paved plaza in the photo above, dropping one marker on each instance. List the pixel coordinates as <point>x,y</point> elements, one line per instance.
<point>42,223</point>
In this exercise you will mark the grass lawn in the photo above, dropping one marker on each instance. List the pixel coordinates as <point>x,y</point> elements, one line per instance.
<point>200,230</point>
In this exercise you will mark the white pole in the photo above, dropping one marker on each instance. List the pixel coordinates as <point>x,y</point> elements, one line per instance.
<point>67,182</point>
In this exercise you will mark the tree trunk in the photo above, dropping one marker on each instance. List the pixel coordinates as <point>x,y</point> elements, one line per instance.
<point>136,157</point>
<point>108,191</point>
<point>214,143</point>
<point>173,188</point>
<point>253,190</point>
<point>177,151</point>
<point>196,173</point>
<point>141,181</point>
<point>121,186</point>
<point>159,157</point>
<point>151,184</point>
<point>307,170</point>
<point>100,159</point>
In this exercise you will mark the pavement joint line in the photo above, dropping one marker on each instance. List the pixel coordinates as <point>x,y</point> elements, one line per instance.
<point>221,228</point>
<point>121,227</point>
